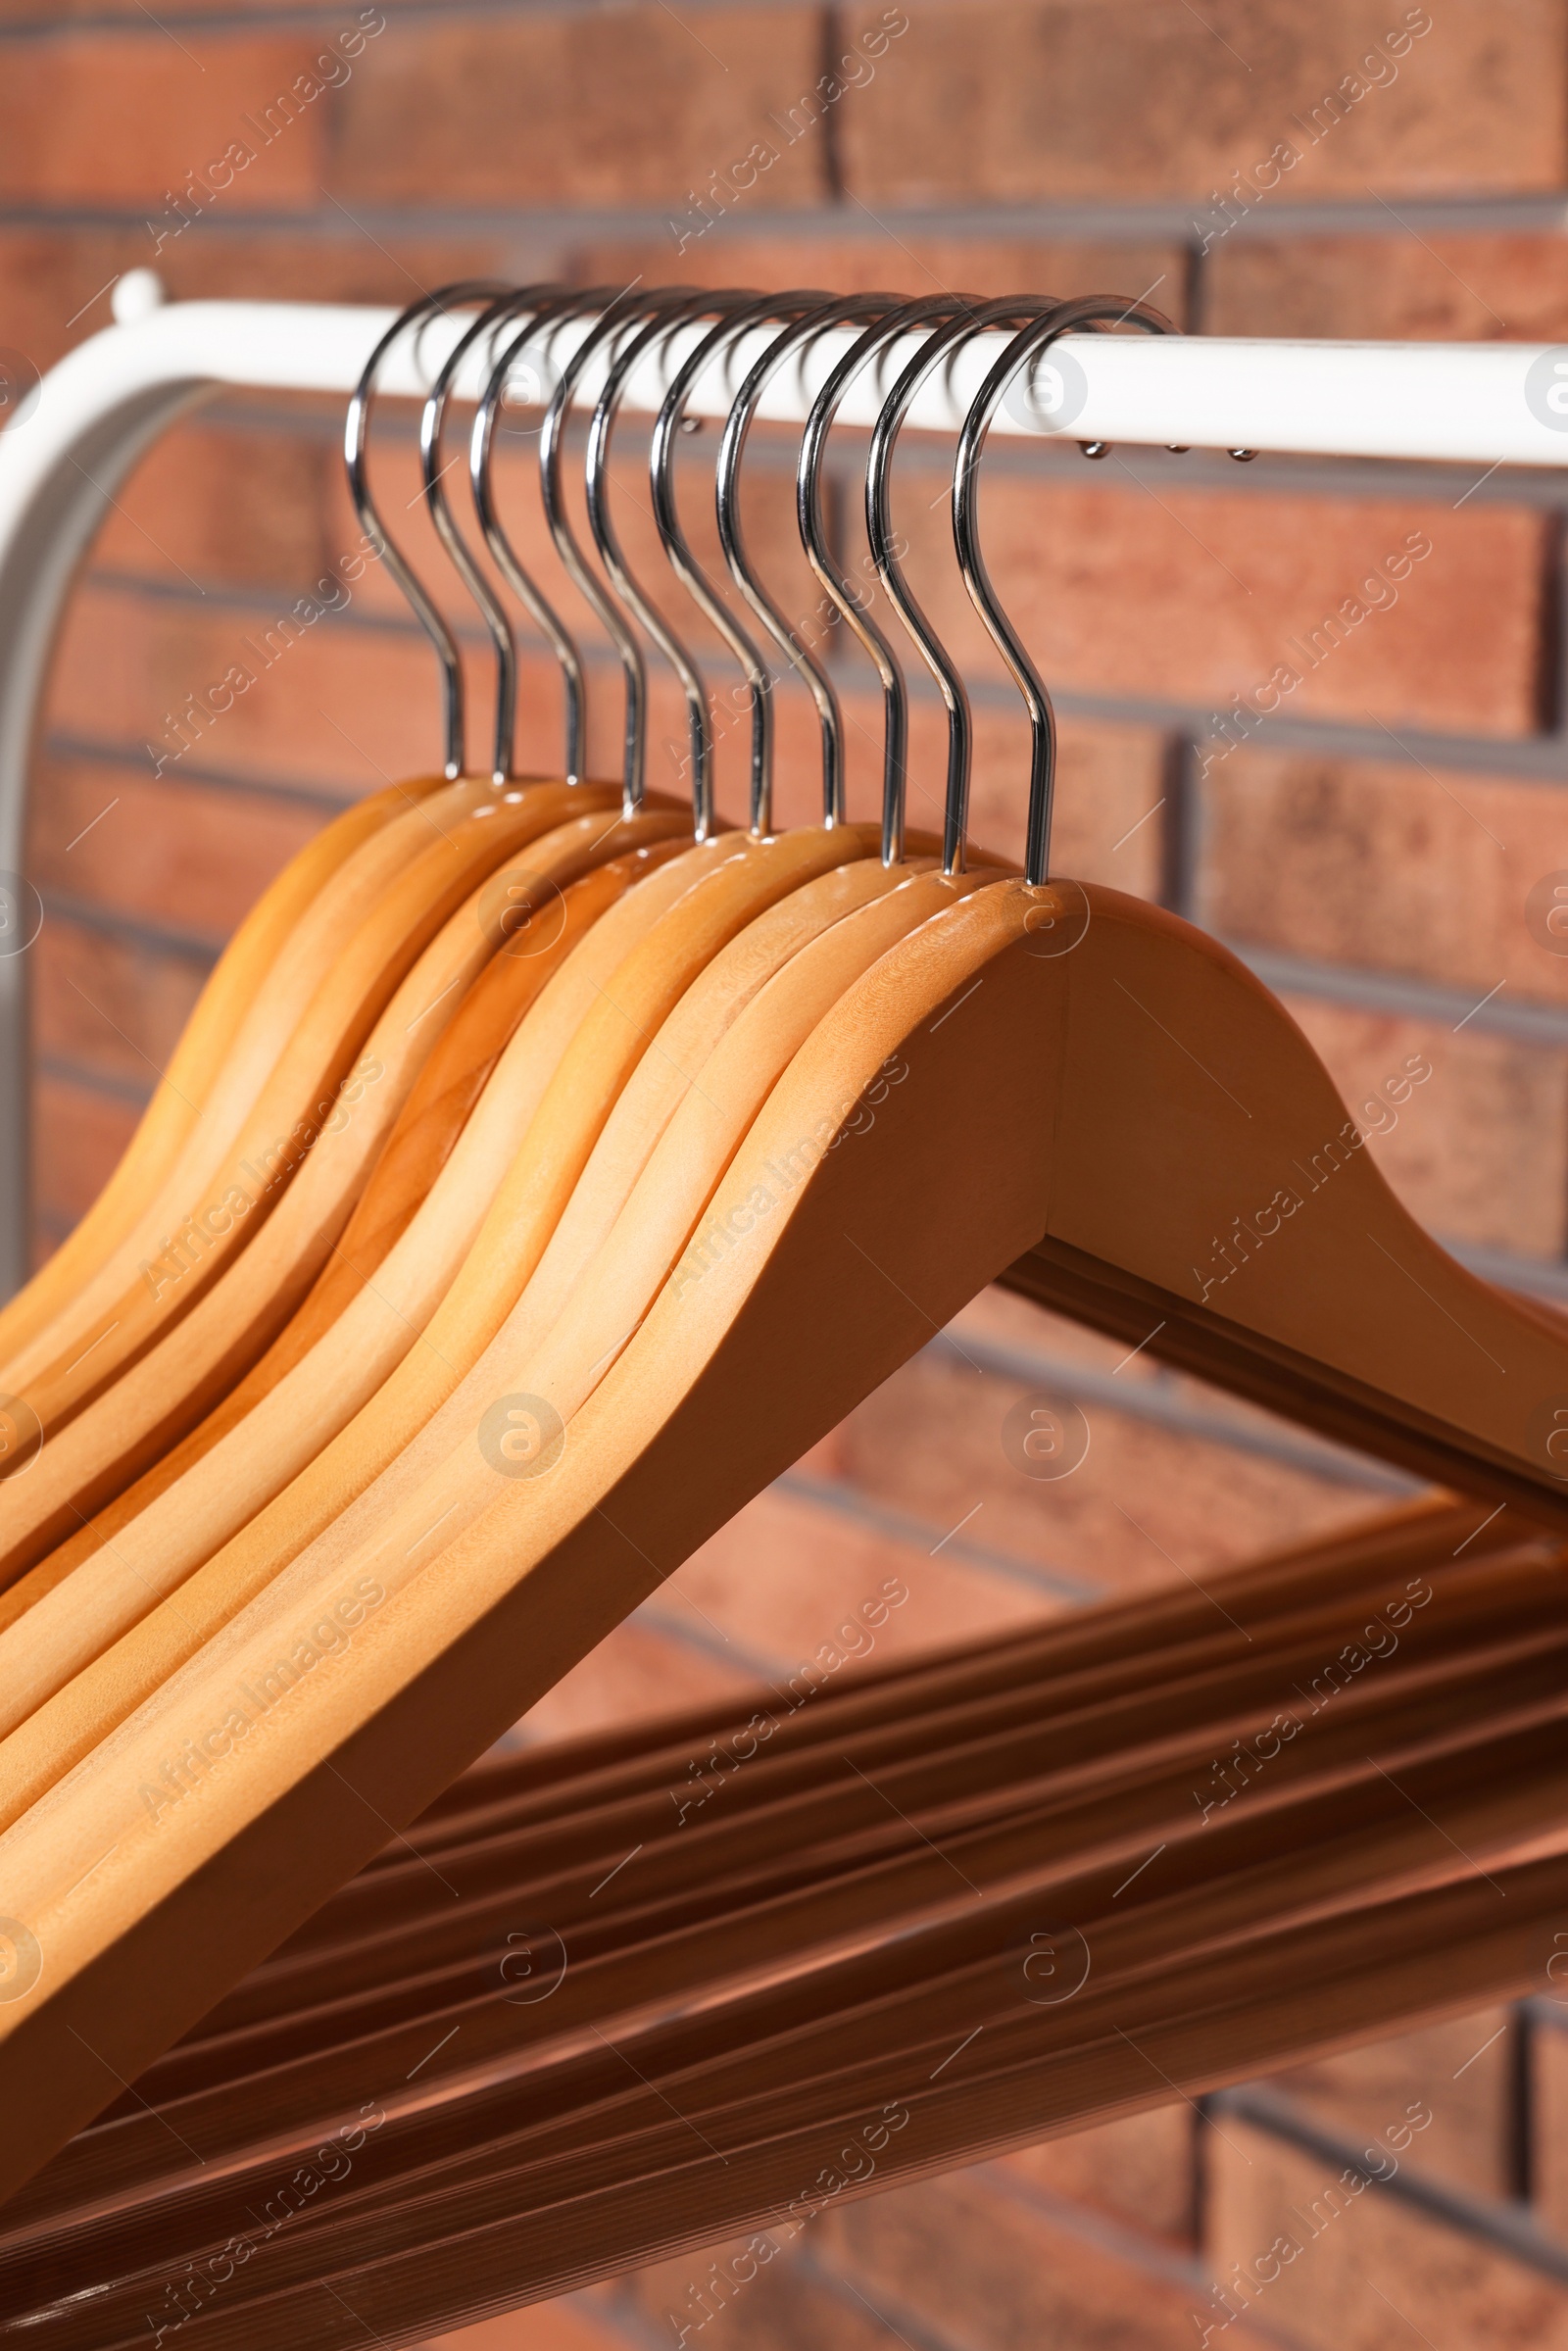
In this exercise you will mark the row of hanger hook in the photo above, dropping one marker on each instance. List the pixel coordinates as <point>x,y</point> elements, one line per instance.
<point>516,332</point>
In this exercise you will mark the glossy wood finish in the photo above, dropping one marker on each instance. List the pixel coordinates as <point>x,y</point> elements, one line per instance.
<point>301,1092</point>
<point>232,987</point>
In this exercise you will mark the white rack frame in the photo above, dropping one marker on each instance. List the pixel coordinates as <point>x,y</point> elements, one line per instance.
<point>68,449</point>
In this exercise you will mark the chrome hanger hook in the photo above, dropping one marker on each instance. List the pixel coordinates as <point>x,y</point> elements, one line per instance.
<point>682,313</point>
<point>750,310</point>
<point>1025,349</point>
<point>491,610</point>
<point>356,434</point>
<point>622,312</point>
<point>839,311</point>
<point>878,339</point>
<point>546,318</point>
<point>1011,310</point>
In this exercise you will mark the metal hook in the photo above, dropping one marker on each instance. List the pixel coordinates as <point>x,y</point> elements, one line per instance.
<point>751,311</point>
<point>1025,348</point>
<point>841,310</point>
<point>356,432</point>
<point>879,528</point>
<point>878,339</point>
<point>625,308</point>
<point>492,610</point>
<point>549,315</point>
<point>680,314</point>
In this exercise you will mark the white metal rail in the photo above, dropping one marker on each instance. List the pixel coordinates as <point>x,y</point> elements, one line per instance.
<point>71,446</point>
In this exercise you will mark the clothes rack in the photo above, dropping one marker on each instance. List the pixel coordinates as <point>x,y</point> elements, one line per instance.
<point>72,442</point>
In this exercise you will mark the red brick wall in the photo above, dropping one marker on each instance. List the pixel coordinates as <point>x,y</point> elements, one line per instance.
<point>1351,169</point>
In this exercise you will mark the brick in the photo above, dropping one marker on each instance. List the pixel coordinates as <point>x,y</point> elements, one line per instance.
<point>175,854</point>
<point>1393,868</point>
<point>126,11</point>
<point>1548,2072</point>
<point>792,1574</point>
<point>339,705</point>
<point>220,505</point>
<point>1138,2168</point>
<point>438,104</point>
<point>543,2326</point>
<point>992,2270</point>
<point>1145,1506</point>
<point>638,1671</point>
<point>785,2304</point>
<point>1448,2067</point>
<point>1110,784</point>
<point>1433,288</point>
<point>55,281</point>
<point>901,261</point>
<point>1481,1149</point>
<point>110,1005</point>
<point>79,1136</point>
<point>1378,2271</point>
<point>111,117</point>
<point>1008,101</point>
<point>1205,596</point>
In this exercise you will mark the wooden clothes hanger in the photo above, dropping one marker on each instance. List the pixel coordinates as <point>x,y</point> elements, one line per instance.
<point>343,902</point>
<point>153,1552</point>
<point>231,988</point>
<point>407,1955</point>
<point>211,1036</point>
<point>107,1456</point>
<point>332,1356</point>
<point>813,1271</point>
<point>194,1176</point>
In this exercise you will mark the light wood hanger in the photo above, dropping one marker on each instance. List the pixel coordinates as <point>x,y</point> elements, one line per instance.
<point>946,1737</point>
<point>339,1282</point>
<point>302,1091</point>
<point>338,908</point>
<point>1033,1105</point>
<point>209,1038</point>
<point>234,982</point>
<point>651,1154</point>
<point>418,1146</point>
<point>397,1190</point>
<point>221,1505</point>
<point>153,1555</point>
<point>698,954</point>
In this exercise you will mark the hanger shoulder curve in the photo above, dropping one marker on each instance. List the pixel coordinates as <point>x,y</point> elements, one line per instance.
<point>669,1445</point>
<point>279,1129</point>
<point>573,969</point>
<point>1207,1174</point>
<point>345,900</point>
<point>183,1091</point>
